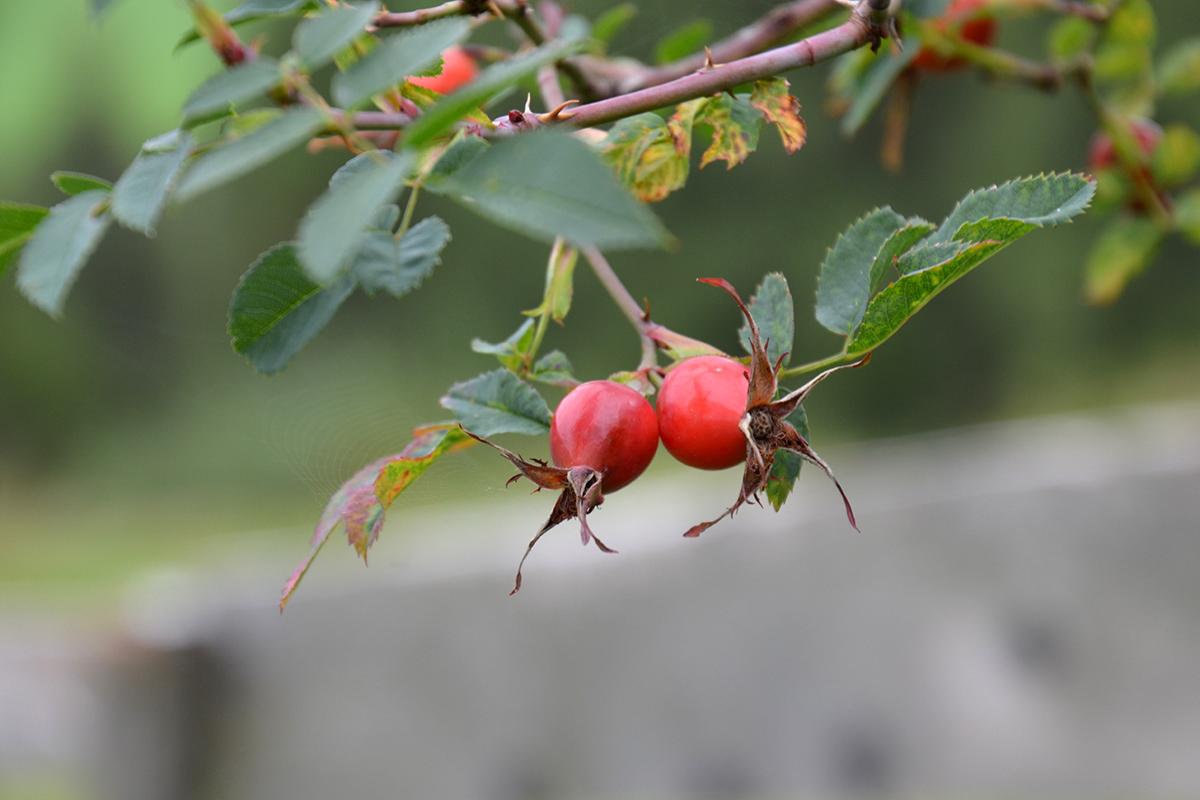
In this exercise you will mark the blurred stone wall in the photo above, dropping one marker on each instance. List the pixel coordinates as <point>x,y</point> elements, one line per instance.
<point>1018,618</point>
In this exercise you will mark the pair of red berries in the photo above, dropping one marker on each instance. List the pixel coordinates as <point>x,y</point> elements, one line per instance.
<point>613,428</point>
<point>713,412</point>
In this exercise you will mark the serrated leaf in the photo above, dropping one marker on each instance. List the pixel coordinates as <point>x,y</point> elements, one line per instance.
<point>649,154</point>
<point>318,39</point>
<point>786,468</point>
<point>773,98</point>
<point>548,184</point>
<point>239,156</point>
<point>1187,216</point>
<point>610,23</point>
<point>141,192</point>
<point>845,285</point>
<point>1040,200</point>
<point>873,83</point>
<point>927,270</point>
<point>73,183</point>
<point>904,239</point>
<point>335,227</point>
<point>276,310</point>
<point>1179,69</point>
<point>683,41</point>
<point>555,369</point>
<point>775,315</point>
<point>1176,158</point>
<point>361,502</point>
<point>1122,252</point>
<point>408,53</point>
<point>231,88</point>
<point>493,81</point>
<point>735,127</point>
<point>513,352</point>
<point>58,249</point>
<point>498,402</point>
<point>18,221</point>
<point>399,267</point>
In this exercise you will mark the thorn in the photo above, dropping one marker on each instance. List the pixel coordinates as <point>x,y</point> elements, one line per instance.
<point>708,59</point>
<point>559,112</point>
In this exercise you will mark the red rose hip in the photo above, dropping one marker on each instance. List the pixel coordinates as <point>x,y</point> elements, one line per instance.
<point>606,426</point>
<point>976,29</point>
<point>700,405</point>
<point>458,68</point>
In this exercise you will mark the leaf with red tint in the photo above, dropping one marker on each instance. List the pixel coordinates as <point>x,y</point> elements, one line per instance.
<point>362,502</point>
<point>782,110</point>
<point>677,346</point>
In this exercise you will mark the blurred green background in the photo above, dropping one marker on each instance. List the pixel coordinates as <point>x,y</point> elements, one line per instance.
<point>131,433</point>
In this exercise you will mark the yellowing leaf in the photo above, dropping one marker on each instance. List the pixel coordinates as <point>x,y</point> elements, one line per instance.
<point>782,110</point>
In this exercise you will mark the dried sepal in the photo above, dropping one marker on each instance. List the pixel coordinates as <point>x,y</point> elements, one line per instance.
<point>765,424</point>
<point>579,494</point>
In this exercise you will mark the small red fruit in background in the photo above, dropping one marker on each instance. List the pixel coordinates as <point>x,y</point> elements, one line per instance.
<point>700,405</point>
<point>606,426</point>
<point>458,68</point>
<point>1103,153</point>
<point>602,436</point>
<point>969,26</point>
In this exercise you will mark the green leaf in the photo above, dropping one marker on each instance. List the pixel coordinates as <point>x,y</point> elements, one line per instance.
<point>872,85</point>
<point>548,184</point>
<point>498,402</point>
<point>683,41</point>
<point>1176,158</point>
<point>58,249</point>
<point>142,191</point>
<point>408,53</point>
<point>786,468</point>
<point>254,10</point>
<point>1070,37</point>
<point>1187,217</point>
<point>1039,201</point>
<point>560,283</point>
<point>462,150</point>
<point>335,227</point>
<point>318,39</point>
<point>775,314</point>
<point>904,239</point>
<point>1179,69</point>
<point>610,23</point>
<point>386,265</point>
<point>362,502</point>
<point>927,270</point>
<point>239,156</point>
<point>734,123</point>
<point>276,310</point>
<point>650,155</point>
<point>494,80</point>
<point>17,224</point>
<point>231,88</point>
<point>1123,65</point>
<point>513,352</point>
<point>1122,252</point>
<point>73,183</point>
<point>554,368</point>
<point>845,283</point>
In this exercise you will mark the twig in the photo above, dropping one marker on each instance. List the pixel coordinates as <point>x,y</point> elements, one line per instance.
<point>855,32</point>
<point>771,29</point>
<point>625,302</point>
